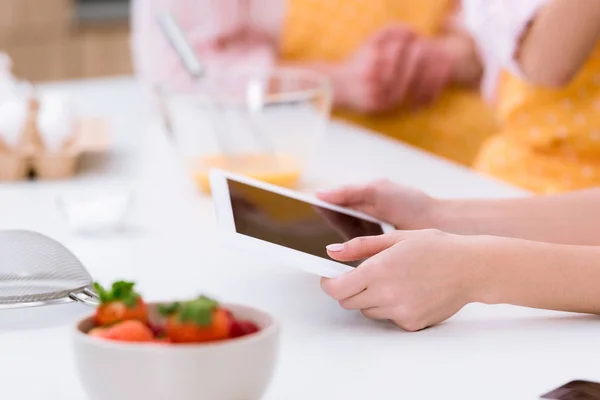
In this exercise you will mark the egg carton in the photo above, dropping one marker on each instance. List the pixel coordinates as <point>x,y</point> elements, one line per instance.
<point>30,158</point>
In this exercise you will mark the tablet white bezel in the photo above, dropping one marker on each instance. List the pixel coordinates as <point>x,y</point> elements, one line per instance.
<point>298,259</point>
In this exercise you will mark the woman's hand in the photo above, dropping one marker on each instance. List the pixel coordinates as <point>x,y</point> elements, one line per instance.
<point>403,207</point>
<point>407,208</point>
<point>420,278</point>
<point>414,278</point>
<point>392,67</point>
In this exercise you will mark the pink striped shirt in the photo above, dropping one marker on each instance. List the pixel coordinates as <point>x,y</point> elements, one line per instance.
<point>203,21</point>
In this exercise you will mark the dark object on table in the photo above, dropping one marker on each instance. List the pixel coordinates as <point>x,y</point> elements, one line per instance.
<point>575,390</point>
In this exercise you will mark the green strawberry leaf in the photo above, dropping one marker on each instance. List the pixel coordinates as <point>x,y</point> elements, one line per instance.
<point>102,294</point>
<point>121,291</point>
<point>198,311</point>
<point>169,309</point>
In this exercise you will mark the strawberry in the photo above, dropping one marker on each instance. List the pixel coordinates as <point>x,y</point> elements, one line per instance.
<point>157,330</point>
<point>248,327</point>
<point>200,320</point>
<point>99,332</point>
<point>235,329</point>
<point>120,303</point>
<point>127,331</point>
<point>239,328</point>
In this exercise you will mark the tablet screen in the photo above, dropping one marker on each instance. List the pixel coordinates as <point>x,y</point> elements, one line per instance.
<point>292,223</point>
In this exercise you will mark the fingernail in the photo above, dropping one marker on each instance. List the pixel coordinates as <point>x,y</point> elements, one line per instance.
<point>335,247</point>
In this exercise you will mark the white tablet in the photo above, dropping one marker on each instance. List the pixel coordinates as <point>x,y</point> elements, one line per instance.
<point>288,226</point>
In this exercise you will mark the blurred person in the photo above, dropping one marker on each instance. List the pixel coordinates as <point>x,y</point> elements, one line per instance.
<point>548,96</point>
<point>401,68</point>
<point>533,252</point>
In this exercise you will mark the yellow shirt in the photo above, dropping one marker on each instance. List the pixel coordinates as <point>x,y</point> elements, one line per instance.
<point>550,139</point>
<point>331,30</point>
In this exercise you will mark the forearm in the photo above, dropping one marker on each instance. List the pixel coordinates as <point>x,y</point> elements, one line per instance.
<point>572,218</point>
<point>559,41</point>
<point>541,275</point>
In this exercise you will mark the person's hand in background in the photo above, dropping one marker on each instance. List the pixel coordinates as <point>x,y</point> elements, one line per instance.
<point>367,80</point>
<point>425,73</point>
<point>395,66</point>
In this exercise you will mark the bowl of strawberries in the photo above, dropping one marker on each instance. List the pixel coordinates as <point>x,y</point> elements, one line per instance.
<point>193,349</point>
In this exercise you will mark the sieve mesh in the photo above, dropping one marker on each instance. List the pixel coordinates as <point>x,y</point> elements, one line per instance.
<point>35,268</point>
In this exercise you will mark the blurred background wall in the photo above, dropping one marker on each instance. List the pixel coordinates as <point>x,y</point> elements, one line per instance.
<point>66,39</point>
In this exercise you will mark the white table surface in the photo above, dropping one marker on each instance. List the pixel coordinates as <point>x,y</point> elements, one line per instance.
<point>484,352</point>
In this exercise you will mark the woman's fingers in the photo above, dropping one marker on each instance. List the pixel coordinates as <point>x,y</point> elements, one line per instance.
<point>432,76</point>
<point>380,313</point>
<point>363,247</point>
<point>392,53</point>
<point>363,300</point>
<point>385,73</point>
<point>348,196</point>
<point>395,44</point>
<point>357,280</point>
<point>345,286</point>
<point>407,70</point>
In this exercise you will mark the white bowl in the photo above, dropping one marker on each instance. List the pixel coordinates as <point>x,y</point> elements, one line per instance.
<point>235,369</point>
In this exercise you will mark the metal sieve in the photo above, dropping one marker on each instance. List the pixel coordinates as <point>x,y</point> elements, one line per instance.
<point>36,271</point>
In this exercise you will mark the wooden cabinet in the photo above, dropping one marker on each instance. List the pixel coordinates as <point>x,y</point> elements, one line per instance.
<point>44,60</point>
<point>46,43</point>
<point>105,51</point>
<point>17,16</point>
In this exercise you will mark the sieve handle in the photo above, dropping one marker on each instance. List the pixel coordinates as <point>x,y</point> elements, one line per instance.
<point>85,296</point>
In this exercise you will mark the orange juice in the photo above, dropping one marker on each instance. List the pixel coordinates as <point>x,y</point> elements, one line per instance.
<point>276,169</point>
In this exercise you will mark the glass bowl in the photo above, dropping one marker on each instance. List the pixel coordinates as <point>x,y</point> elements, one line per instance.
<point>261,125</point>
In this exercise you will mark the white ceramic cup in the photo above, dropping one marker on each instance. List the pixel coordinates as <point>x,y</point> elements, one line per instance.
<point>235,369</point>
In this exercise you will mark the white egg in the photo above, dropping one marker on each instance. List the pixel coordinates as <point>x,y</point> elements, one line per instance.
<point>8,83</point>
<point>13,117</point>
<point>6,63</point>
<point>7,90</point>
<point>56,121</point>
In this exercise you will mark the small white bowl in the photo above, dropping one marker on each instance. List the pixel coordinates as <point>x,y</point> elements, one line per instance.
<point>96,213</point>
<point>234,369</point>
